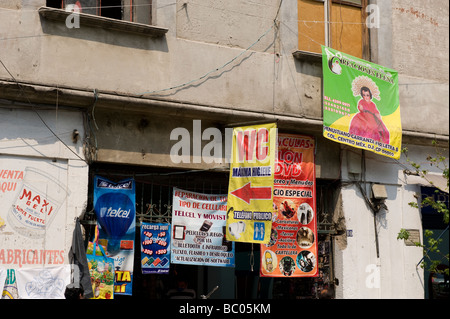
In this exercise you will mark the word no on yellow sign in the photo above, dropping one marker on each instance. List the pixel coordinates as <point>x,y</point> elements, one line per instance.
<point>250,199</point>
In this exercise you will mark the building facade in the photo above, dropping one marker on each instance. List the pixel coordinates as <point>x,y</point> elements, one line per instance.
<point>105,90</point>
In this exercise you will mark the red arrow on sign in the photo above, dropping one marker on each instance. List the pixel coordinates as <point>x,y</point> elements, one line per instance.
<point>247,193</point>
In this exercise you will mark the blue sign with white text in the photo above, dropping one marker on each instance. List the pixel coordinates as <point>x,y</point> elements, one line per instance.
<point>155,248</point>
<point>115,208</point>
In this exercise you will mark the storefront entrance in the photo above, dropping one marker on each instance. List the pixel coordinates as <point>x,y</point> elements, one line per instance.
<point>154,204</point>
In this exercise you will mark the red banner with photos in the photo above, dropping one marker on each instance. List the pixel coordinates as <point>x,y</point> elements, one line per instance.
<point>292,250</point>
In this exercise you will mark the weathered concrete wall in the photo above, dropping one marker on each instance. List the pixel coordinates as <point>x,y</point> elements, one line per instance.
<point>394,273</point>
<point>413,39</point>
<point>420,54</point>
<point>34,164</point>
<point>226,23</point>
<point>203,61</point>
<point>147,140</point>
<point>420,39</point>
<point>204,37</point>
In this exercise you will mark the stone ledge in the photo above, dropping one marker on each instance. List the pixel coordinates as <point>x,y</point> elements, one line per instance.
<point>307,56</point>
<point>104,23</point>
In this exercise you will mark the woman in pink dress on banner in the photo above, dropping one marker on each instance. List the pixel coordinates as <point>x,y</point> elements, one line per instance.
<point>367,122</point>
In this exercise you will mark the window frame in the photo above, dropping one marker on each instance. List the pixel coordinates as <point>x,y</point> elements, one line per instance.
<point>313,56</point>
<point>97,21</point>
<point>127,14</point>
<point>59,15</point>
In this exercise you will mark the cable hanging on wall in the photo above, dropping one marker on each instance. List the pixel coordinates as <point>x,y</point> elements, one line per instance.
<point>212,71</point>
<point>37,113</point>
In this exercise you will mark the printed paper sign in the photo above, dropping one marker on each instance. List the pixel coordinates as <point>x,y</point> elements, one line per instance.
<point>361,105</point>
<point>198,230</point>
<point>155,248</point>
<point>115,208</point>
<point>251,183</point>
<point>292,249</point>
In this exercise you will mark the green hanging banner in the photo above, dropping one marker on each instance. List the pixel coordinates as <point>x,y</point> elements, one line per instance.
<point>361,105</point>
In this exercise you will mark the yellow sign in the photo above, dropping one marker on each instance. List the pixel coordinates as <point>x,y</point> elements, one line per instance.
<point>250,193</point>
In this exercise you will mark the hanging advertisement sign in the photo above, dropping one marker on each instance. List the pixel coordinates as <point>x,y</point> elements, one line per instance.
<point>361,105</point>
<point>34,196</point>
<point>249,216</point>
<point>101,271</point>
<point>37,203</point>
<point>155,248</point>
<point>114,206</point>
<point>198,230</point>
<point>292,249</point>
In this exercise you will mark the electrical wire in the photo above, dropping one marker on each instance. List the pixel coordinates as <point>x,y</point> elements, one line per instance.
<point>212,71</point>
<point>37,113</point>
<point>221,67</point>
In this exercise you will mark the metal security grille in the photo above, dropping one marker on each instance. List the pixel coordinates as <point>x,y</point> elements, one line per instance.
<point>154,192</point>
<point>327,194</point>
<point>154,196</point>
<point>154,189</point>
